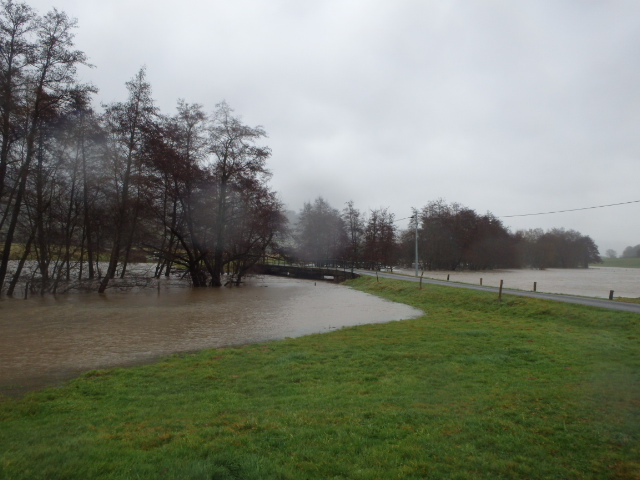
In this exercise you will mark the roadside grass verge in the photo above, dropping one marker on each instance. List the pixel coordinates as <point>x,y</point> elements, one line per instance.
<point>627,300</point>
<point>473,389</point>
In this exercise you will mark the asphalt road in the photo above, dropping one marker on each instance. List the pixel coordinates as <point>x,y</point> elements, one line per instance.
<point>592,302</point>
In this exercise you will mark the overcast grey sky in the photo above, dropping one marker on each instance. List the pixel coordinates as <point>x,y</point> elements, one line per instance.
<point>502,106</point>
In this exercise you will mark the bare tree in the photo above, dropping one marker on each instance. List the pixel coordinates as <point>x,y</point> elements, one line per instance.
<point>237,163</point>
<point>127,123</point>
<point>178,149</point>
<point>17,24</point>
<point>50,86</point>
<point>187,138</point>
<point>217,211</point>
<point>190,188</point>
<point>258,218</point>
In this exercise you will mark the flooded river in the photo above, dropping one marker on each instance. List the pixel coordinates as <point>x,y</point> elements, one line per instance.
<point>587,282</point>
<point>44,340</point>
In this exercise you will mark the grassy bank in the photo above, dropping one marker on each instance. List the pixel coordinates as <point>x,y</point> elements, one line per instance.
<point>473,389</point>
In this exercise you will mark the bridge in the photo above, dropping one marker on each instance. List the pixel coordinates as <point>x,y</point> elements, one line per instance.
<point>306,271</point>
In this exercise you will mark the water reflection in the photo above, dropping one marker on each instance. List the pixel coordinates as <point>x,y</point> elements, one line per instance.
<point>44,340</point>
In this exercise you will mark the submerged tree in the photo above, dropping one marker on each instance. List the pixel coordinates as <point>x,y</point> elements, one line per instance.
<point>178,150</point>
<point>18,23</point>
<point>238,165</point>
<point>217,211</point>
<point>558,248</point>
<point>190,189</point>
<point>39,85</point>
<point>126,125</point>
<point>257,219</point>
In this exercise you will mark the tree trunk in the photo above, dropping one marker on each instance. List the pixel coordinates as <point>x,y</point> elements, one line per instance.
<point>218,253</point>
<point>23,259</point>
<point>17,206</point>
<point>85,206</point>
<point>42,244</point>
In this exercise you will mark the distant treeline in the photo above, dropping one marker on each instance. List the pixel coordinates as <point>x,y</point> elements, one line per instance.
<point>450,237</point>
<point>631,252</point>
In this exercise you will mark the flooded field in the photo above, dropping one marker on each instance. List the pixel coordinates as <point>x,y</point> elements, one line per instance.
<point>44,340</point>
<point>587,282</point>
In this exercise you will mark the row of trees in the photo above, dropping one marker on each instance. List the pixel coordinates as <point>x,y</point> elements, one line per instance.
<point>556,248</point>
<point>453,237</point>
<point>78,187</point>
<point>450,237</point>
<point>324,235</point>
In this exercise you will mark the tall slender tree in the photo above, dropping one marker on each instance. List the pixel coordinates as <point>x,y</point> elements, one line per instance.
<point>237,163</point>
<point>355,230</point>
<point>178,149</point>
<point>127,123</point>
<point>50,86</point>
<point>17,24</point>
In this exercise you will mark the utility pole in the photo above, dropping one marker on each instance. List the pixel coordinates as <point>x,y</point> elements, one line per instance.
<point>415,218</point>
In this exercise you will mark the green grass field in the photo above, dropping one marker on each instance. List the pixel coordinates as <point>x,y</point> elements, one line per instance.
<point>474,389</point>
<point>619,262</point>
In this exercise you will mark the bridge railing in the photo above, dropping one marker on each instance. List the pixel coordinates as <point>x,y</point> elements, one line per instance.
<point>340,264</point>
<point>306,269</point>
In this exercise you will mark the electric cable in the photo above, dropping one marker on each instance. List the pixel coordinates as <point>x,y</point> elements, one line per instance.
<point>571,210</point>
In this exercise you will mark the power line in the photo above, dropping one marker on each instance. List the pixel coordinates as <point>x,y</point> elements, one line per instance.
<point>547,213</point>
<point>572,210</point>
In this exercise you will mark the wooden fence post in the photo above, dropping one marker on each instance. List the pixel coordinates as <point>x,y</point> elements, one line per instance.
<point>500,292</point>
<point>535,286</point>
<point>610,294</point>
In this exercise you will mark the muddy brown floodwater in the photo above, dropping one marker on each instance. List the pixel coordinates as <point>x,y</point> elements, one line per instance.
<point>588,282</point>
<point>45,340</point>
